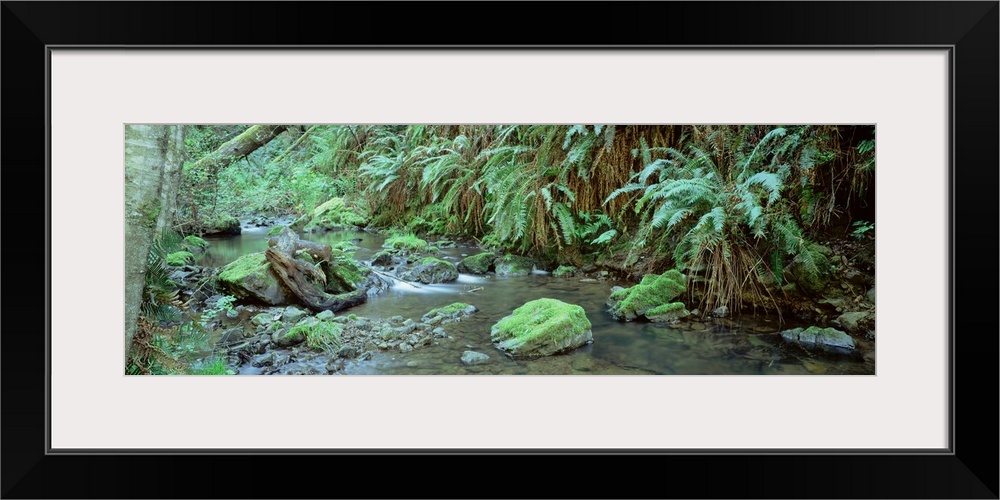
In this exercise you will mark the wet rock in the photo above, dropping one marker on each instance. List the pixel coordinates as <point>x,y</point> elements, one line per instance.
<point>477,264</point>
<point>431,270</point>
<point>667,313</point>
<point>383,258</point>
<point>334,365</point>
<point>288,338</point>
<point>542,327</point>
<point>720,312</point>
<point>439,333</point>
<point>871,295</point>
<point>453,312</point>
<point>325,315</point>
<point>365,356</point>
<point>263,360</point>
<point>513,265</point>
<point>474,358</point>
<point>262,320</point>
<point>856,322</point>
<point>819,337</point>
<point>293,314</point>
<point>810,269</point>
<point>404,347</point>
<point>347,352</point>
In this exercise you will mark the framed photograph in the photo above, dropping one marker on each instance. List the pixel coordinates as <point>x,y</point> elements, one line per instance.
<point>779,128</point>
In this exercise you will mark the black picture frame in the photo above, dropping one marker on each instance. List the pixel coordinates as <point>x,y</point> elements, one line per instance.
<point>970,29</point>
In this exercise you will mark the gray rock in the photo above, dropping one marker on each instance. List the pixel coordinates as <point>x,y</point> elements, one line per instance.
<point>335,365</point>
<point>819,337</point>
<point>431,270</point>
<point>871,295</point>
<point>855,322</point>
<point>347,352</point>
<point>474,358</point>
<point>439,333</point>
<point>477,264</point>
<point>404,347</point>
<point>281,338</point>
<point>262,319</point>
<point>262,360</point>
<point>325,315</point>
<point>293,314</point>
<point>720,312</point>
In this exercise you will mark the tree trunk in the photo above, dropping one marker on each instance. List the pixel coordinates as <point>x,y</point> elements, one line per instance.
<point>146,152</point>
<point>239,146</point>
<point>172,172</point>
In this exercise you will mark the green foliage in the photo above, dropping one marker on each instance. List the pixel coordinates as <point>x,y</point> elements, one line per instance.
<point>861,227</point>
<point>214,366</point>
<point>180,258</point>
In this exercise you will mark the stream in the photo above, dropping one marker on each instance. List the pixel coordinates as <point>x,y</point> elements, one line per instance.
<point>713,346</point>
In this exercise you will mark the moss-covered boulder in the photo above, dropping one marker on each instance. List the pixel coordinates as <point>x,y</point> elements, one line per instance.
<point>180,258</point>
<point>222,224</point>
<point>563,271</point>
<point>194,244</point>
<point>383,257</point>
<point>513,265</point>
<point>334,214</point>
<point>431,270</point>
<point>477,264</point>
<point>250,277</point>
<point>655,293</point>
<point>816,337</point>
<point>276,230</point>
<point>405,242</point>
<point>667,313</point>
<point>541,328</point>
<point>343,273</point>
<point>452,312</point>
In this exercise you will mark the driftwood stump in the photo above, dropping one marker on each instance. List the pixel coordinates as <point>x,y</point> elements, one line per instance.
<point>302,278</point>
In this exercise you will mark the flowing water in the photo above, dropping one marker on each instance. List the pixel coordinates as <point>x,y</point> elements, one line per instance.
<point>746,346</point>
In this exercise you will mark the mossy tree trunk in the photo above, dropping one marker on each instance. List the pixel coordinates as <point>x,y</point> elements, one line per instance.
<point>239,146</point>
<point>147,152</point>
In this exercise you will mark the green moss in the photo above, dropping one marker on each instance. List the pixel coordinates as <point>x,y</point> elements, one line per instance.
<point>447,310</point>
<point>195,242</point>
<point>652,292</point>
<point>334,213</point>
<point>274,231</point>
<point>251,264</point>
<point>304,255</point>
<point>407,242</point>
<point>180,258</point>
<point>514,265</point>
<point>563,271</point>
<point>667,312</point>
<point>343,273</point>
<point>477,264</point>
<point>542,327</point>
<point>149,212</point>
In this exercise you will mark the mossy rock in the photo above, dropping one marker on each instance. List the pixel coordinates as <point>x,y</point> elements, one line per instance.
<point>562,271</point>
<point>180,258</point>
<point>383,257</point>
<point>193,243</point>
<point>654,291</point>
<point>667,313</point>
<point>541,328</point>
<point>343,273</point>
<point>477,264</point>
<point>452,311</point>
<point>334,214</point>
<point>431,270</point>
<point>222,224</point>
<point>250,277</point>
<point>407,242</point>
<point>816,337</point>
<point>513,265</point>
<point>275,230</point>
